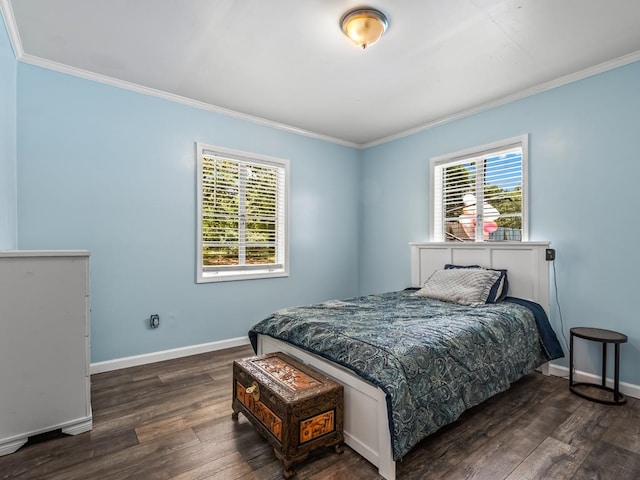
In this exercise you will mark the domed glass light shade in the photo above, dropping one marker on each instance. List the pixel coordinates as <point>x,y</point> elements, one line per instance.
<point>364,26</point>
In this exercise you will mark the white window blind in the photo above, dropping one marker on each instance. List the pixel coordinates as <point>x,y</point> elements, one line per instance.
<point>242,215</point>
<point>480,194</point>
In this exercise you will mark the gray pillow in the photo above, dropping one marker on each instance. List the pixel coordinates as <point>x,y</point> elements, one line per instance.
<point>466,286</point>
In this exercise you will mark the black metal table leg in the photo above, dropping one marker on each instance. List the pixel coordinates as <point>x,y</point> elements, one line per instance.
<point>616,375</point>
<point>571,360</point>
<point>604,364</point>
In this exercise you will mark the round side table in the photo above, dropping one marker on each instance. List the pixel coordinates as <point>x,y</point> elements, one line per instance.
<point>605,337</point>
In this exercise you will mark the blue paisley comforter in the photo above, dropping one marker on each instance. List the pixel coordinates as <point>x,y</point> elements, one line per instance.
<point>433,359</point>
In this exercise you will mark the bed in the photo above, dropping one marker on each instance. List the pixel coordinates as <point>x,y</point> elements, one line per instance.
<point>393,399</point>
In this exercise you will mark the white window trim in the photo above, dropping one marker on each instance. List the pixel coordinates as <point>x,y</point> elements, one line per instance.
<point>226,274</point>
<point>522,141</point>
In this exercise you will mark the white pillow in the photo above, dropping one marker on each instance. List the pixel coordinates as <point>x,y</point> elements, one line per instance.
<point>466,286</point>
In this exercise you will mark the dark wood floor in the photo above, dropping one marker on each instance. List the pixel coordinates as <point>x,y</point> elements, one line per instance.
<point>172,420</point>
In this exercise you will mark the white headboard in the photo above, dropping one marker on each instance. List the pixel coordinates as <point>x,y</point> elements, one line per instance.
<point>527,269</point>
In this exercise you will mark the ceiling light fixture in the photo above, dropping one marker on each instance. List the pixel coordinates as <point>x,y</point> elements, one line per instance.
<point>364,26</point>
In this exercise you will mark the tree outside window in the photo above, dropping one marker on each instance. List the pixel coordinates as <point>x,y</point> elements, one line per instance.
<point>242,215</point>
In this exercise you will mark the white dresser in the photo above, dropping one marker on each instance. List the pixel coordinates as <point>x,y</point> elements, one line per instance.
<point>44,344</point>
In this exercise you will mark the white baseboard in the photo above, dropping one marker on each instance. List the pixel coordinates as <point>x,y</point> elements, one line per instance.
<point>118,363</point>
<point>628,389</point>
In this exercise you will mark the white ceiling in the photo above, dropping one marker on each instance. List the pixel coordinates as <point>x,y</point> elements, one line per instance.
<point>288,62</point>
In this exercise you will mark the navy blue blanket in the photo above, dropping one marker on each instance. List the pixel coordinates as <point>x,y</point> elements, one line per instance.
<point>433,359</point>
<point>548,337</point>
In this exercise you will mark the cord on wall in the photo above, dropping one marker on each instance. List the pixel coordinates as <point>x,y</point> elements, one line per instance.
<point>555,286</point>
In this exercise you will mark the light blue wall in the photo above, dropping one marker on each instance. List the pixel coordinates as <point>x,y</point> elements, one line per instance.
<point>584,171</point>
<point>8,186</point>
<point>113,171</point>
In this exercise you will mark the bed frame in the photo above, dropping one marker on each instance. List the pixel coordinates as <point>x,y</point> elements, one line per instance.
<point>366,428</point>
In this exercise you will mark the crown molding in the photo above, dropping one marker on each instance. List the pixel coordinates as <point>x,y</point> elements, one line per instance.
<point>543,87</point>
<point>12,28</point>
<point>21,56</point>
<point>114,82</point>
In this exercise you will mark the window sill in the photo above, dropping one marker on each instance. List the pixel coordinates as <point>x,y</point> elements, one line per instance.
<point>210,277</point>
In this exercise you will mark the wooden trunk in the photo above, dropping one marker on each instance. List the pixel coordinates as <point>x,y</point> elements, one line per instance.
<point>295,407</point>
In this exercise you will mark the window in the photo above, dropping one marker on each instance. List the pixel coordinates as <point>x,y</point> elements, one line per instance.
<point>492,176</point>
<point>242,215</point>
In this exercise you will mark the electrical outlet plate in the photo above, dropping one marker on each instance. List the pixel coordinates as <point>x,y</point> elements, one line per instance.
<point>154,321</point>
<point>550,254</point>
